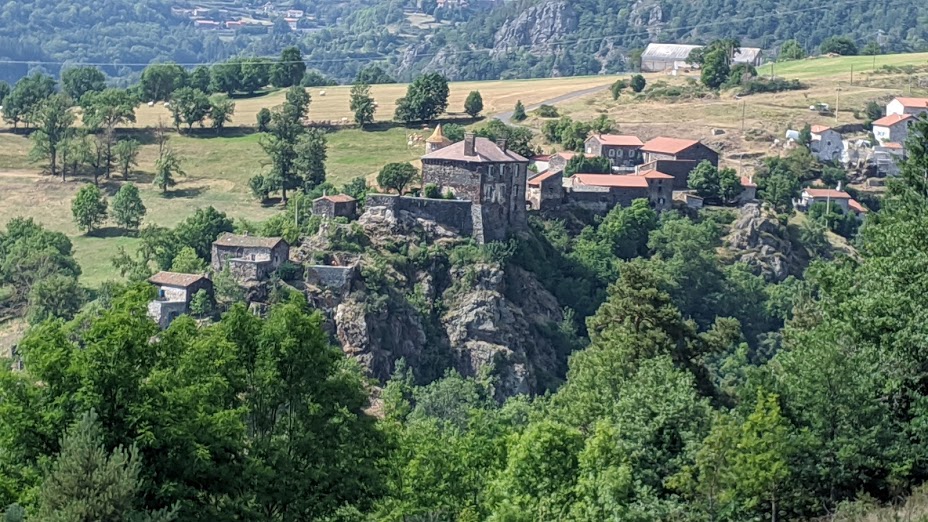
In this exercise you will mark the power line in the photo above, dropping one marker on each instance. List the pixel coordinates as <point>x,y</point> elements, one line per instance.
<point>831,5</point>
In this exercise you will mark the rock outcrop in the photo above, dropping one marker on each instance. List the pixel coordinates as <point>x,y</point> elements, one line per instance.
<point>762,243</point>
<point>477,317</point>
<point>536,27</point>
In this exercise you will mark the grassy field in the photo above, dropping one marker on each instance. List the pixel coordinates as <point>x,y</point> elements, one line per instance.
<point>218,168</point>
<point>841,67</point>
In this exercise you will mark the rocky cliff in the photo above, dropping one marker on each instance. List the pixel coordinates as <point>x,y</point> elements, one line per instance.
<point>537,27</point>
<point>420,293</point>
<point>759,240</point>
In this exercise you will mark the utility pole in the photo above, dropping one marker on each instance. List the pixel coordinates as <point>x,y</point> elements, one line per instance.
<point>744,108</point>
<point>837,99</point>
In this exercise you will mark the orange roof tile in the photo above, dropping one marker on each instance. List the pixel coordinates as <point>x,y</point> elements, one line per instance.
<point>747,182</point>
<point>818,129</point>
<point>664,145</point>
<point>536,181</point>
<point>892,119</point>
<point>855,205</point>
<point>609,180</point>
<point>653,174</point>
<point>827,193</point>
<point>893,145</point>
<point>913,102</point>
<point>619,140</point>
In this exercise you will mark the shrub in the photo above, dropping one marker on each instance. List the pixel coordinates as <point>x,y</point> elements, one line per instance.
<point>289,271</point>
<point>547,111</point>
<point>431,191</point>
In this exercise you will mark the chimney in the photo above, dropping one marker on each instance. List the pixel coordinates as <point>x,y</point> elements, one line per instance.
<point>469,144</point>
<point>501,143</point>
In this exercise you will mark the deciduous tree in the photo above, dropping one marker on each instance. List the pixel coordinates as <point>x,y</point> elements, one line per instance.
<point>396,176</point>
<point>159,80</point>
<point>189,106</point>
<point>128,209</point>
<point>126,153</point>
<point>289,70</point>
<point>426,97</point>
<point>221,110</point>
<point>473,105</point>
<point>89,208</point>
<point>53,121</point>
<point>77,81</point>
<point>167,167</point>
<point>362,104</point>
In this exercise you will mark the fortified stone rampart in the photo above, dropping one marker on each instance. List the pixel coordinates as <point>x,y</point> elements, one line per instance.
<point>452,214</point>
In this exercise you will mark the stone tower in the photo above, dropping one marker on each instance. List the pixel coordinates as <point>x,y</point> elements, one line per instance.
<point>436,141</point>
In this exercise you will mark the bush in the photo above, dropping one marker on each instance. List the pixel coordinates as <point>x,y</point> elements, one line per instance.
<point>431,191</point>
<point>764,85</point>
<point>547,111</point>
<point>638,83</point>
<point>289,271</point>
<point>617,88</point>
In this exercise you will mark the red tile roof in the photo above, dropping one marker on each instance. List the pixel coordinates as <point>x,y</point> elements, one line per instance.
<point>913,102</point>
<point>536,181</point>
<point>892,119</point>
<point>175,279</point>
<point>619,140</point>
<point>337,198</point>
<point>608,180</point>
<point>818,129</point>
<point>893,145</point>
<point>747,182</point>
<point>568,154</point>
<point>234,240</point>
<point>662,145</point>
<point>827,193</point>
<point>855,205</point>
<point>654,174</point>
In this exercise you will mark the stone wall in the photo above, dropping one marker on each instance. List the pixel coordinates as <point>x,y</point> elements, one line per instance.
<point>679,169</point>
<point>602,199</point>
<point>223,255</point>
<point>334,277</point>
<point>462,179</point>
<point>163,312</point>
<point>449,213</point>
<point>247,271</point>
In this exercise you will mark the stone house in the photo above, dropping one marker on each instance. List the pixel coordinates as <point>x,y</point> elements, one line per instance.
<point>545,190</point>
<point>893,128</point>
<point>687,154</point>
<point>913,106</point>
<point>338,205</point>
<point>827,144</point>
<point>749,190</point>
<point>839,198</point>
<point>623,152</point>
<point>558,162</point>
<point>175,291</point>
<point>602,192</point>
<point>489,175</point>
<point>249,258</point>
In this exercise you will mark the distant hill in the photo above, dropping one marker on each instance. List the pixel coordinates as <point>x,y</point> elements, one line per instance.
<point>517,39</point>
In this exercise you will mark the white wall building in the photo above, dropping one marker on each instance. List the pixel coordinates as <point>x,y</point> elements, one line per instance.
<point>826,143</point>
<point>893,128</point>
<point>913,106</point>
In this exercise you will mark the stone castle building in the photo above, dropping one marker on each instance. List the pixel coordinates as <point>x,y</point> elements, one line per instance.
<point>485,173</point>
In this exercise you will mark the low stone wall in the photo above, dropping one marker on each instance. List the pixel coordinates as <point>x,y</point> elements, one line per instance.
<point>246,270</point>
<point>334,277</point>
<point>164,312</point>
<point>452,214</point>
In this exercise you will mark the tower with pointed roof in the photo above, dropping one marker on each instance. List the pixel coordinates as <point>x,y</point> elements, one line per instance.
<point>436,141</point>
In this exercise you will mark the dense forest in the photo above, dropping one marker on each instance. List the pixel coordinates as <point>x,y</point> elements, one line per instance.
<point>525,38</point>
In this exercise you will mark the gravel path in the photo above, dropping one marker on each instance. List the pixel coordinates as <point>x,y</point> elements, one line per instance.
<point>506,117</point>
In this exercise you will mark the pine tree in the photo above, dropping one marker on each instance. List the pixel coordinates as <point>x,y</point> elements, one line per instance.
<point>86,483</point>
<point>518,114</point>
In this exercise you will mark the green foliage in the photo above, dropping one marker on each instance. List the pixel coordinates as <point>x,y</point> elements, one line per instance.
<point>874,112</point>
<point>546,111</point>
<point>791,50</point>
<point>584,165</point>
<point>201,229</point>
<point>77,81</point>
<point>53,119</point>
<point>843,223</point>
<point>569,133</point>
<point>221,110</point>
<point>26,97</point>
<point>778,183</point>
<point>56,296</point>
<point>128,209</point>
<point>362,104</point>
<point>126,153</point>
<point>260,187</point>
<point>89,208</point>
<point>473,105</point>
<point>637,83</point>
<point>167,167</point>
<point>159,81</point>
<point>189,106</point>
<point>263,119</point>
<point>842,45</point>
<point>187,262</point>
<point>289,70</point>
<point>373,74</point>
<point>285,145</point>
<point>426,97</point>
<point>518,113</point>
<point>356,188</point>
<point>201,305</point>
<point>518,139</point>
<point>431,190</point>
<point>709,182</point>
<point>872,49</point>
<point>396,176</point>
<point>617,87</point>
<point>87,483</point>
<point>715,68</point>
<point>453,131</point>
<point>316,79</point>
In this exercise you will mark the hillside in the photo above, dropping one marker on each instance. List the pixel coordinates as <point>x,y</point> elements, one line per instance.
<point>520,39</point>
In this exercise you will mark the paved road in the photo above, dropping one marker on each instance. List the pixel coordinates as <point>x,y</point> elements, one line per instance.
<point>506,117</point>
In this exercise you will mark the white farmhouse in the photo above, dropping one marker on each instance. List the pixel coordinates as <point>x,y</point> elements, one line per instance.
<point>893,128</point>
<point>913,106</point>
<point>826,143</point>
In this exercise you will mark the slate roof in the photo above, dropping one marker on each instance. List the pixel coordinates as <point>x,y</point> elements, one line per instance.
<point>486,151</point>
<point>662,145</point>
<point>175,279</point>
<point>234,240</point>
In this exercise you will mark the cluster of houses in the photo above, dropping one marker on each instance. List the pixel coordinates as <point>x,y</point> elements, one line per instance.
<point>882,153</point>
<point>230,18</point>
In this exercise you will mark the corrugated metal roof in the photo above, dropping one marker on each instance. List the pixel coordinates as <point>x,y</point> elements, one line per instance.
<point>675,52</point>
<point>747,55</point>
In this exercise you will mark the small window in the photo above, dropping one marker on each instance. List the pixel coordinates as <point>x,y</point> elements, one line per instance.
<point>589,150</point>
<point>611,153</point>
